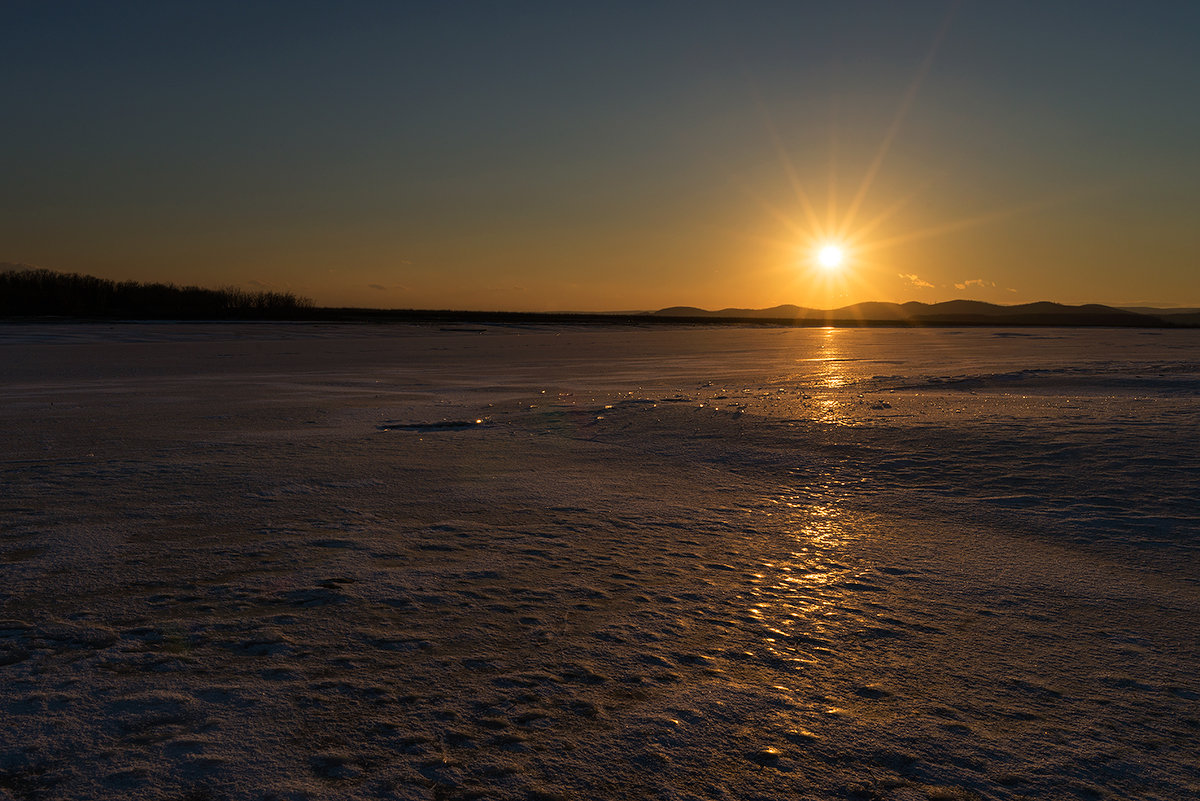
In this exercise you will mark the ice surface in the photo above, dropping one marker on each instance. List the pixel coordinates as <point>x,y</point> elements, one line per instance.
<point>321,561</point>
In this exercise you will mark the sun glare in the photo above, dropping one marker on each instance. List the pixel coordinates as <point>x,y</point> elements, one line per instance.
<point>829,253</point>
<point>830,257</point>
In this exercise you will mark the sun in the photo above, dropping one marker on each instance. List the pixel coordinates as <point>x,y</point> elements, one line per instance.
<point>830,257</point>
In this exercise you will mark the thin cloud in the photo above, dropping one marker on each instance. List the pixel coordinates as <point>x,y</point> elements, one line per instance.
<point>915,280</point>
<point>979,282</point>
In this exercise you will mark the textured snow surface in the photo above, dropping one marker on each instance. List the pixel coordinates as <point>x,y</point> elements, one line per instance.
<point>352,562</point>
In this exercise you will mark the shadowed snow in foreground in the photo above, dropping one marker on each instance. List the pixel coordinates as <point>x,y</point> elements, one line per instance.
<point>325,562</point>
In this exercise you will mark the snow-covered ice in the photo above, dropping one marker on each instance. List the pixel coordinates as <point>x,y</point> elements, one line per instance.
<point>291,561</point>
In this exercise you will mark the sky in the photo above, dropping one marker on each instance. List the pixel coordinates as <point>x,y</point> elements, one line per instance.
<point>560,156</point>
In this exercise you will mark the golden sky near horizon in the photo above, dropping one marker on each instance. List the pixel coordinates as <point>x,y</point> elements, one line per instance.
<point>620,158</point>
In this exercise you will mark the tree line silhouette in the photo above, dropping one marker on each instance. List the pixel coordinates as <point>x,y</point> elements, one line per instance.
<point>40,292</point>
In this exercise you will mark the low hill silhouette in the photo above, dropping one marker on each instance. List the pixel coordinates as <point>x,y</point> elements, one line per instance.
<point>29,292</point>
<point>952,312</point>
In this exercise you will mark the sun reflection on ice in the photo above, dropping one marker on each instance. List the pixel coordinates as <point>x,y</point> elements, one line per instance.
<point>832,375</point>
<point>800,599</point>
<point>832,360</point>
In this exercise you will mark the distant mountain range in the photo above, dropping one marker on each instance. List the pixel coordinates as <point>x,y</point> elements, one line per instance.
<point>951,312</point>
<point>30,292</point>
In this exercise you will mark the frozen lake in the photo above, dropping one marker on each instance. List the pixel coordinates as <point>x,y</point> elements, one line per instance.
<point>325,561</point>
